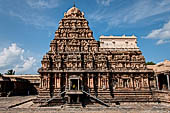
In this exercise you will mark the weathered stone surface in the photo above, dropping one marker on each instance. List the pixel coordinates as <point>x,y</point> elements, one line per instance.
<point>76,62</point>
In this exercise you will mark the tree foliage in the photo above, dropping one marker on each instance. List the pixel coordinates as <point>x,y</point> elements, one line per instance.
<point>1,74</point>
<point>10,72</point>
<point>150,63</point>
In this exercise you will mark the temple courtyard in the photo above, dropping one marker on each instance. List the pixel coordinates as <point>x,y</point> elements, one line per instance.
<point>23,104</point>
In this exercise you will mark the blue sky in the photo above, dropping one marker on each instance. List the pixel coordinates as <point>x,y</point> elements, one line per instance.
<point>28,26</point>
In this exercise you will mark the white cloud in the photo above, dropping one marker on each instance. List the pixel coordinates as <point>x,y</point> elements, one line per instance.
<point>162,34</point>
<point>43,3</point>
<point>128,13</point>
<point>104,2</point>
<point>13,58</point>
<point>146,8</point>
<point>27,64</point>
<point>34,19</point>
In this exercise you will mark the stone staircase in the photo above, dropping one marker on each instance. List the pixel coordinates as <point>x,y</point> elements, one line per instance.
<point>76,105</point>
<point>95,98</point>
<point>128,96</point>
<point>48,101</point>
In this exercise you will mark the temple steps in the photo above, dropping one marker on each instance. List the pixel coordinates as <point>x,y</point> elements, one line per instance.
<point>95,98</point>
<point>46,102</point>
<point>76,105</point>
<point>126,96</point>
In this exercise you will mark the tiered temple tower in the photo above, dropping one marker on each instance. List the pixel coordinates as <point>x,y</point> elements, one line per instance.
<point>77,67</point>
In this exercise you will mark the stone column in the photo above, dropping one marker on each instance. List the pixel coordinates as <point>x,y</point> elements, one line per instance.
<point>142,81</point>
<point>66,80</point>
<point>88,80</point>
<point>81,80</point>
<point>78,84</point>
<point>42,82</point>
<point>99,84</point>
<point>40,86</point>
<point>59,79</point>
<point>148,81</point>
<point>48,83</point>
<point>55,77</point>
<point>118,80</point>
<point>132,81</point>
<point>69,82</point>
<point>149,84</point>
<point>168,82</point>
<point>157,82</point>
<point>107,81</point>
<point>92,84</point>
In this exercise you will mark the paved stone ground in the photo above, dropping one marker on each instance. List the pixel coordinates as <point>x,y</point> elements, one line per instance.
<point>6,102</point>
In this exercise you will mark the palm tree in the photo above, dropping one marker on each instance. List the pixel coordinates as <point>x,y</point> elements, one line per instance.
<point>10,72</point>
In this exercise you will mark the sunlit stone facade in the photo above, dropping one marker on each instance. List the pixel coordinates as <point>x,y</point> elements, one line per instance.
<point>78,68</point>
<point>119,43</point>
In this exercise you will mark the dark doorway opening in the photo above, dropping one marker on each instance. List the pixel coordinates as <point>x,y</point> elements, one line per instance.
<point>74,84</point>
<point>162,79</point>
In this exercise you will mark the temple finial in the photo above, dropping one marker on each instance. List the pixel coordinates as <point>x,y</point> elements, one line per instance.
<point>74,4</point>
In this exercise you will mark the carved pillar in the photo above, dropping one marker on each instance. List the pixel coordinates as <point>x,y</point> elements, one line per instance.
<point>118,80</point>
<point>132,81</point>
<point>88,80</point>
<point>66,77</point>
<point>148,84</point>
<point>59,79</point>
<point>41,82</point>
<point>157,82</point>
<point>78,84</point>
<point>107,81</point>
<point>168,81</point>
<point>48,80</point>
<point>92,83</point>
<point>99,81</point>
<point>82,81</point>
<point>55,77</point>
<point>142,82</point>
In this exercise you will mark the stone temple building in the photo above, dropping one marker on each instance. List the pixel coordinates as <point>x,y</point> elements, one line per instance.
<point>162,74</point>
<point>80,70</point>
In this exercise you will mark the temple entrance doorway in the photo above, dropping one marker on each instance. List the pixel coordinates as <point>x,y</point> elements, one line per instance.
<point>162,79</point>
<point>74,84</point>
<point>74,93</point>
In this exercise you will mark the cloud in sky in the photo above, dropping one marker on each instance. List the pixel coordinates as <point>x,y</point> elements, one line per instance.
<point>104,2</point>
<point>43,3</point>
<point>162,34</point>
<point>29,12</point>
<point>37,20</point>
<point>13,58</point>
<point>126,12</point>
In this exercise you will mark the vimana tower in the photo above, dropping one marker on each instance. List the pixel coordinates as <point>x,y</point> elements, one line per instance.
<point>80,70</point>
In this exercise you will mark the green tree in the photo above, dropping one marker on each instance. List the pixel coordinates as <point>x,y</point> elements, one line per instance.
<point>0,74</point>
<point>150,63</point>
<point>10,72</point>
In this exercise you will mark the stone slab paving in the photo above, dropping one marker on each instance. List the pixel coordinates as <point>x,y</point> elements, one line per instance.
<point>5,102</point>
